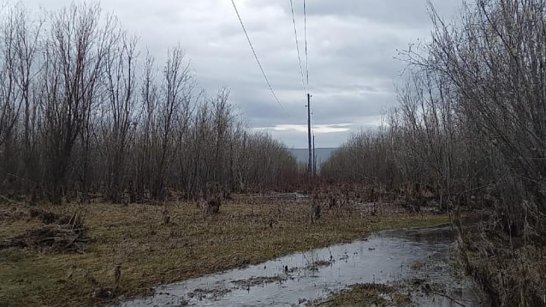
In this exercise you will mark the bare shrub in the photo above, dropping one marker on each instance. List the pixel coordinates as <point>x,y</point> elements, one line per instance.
<point>470,131</point>
<point>213,206</point>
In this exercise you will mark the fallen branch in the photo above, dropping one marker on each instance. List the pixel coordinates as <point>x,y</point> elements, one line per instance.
<point>59,238</point>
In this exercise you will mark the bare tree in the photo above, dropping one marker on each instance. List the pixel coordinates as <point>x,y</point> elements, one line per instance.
<point>119,117</point>
<point>174,94</point>
<point>471,123</point>
<point>75,53</point>
<point>90,118</point>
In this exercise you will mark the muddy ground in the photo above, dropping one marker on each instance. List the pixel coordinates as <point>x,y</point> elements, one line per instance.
<point>406,267</point>
<point>125,250</point>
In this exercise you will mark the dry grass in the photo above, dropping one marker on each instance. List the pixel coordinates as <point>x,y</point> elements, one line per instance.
<point>368,294</point>
<point>509,275</point>
<point>150,251</point>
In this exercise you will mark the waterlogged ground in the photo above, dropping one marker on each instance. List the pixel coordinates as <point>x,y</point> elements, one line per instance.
<point>415,264</point>
<point>161,244</point>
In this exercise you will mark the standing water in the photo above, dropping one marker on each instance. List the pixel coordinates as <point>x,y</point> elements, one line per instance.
<point>419,258</point>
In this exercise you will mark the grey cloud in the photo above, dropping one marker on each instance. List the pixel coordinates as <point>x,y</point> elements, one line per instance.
<point>352,46</point>
<point>403,13</point>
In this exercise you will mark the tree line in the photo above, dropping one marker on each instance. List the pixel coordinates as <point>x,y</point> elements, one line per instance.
<point>83,112</point>
<point>471,125</point>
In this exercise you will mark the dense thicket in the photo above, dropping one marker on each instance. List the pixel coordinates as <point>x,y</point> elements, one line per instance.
<point>471,125</point>
<point>81,112</point>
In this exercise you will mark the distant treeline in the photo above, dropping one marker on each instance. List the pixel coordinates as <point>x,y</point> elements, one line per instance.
<point>81,112</point>
<point>471,124</point>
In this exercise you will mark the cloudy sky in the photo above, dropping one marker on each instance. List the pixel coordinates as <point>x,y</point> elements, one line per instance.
<point>352,50</point>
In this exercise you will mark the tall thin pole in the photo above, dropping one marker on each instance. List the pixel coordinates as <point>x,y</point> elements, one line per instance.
<point>314,157</point>
<point>310,165</point>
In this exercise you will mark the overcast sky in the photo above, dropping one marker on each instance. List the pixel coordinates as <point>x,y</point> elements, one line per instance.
<point>352,50</point>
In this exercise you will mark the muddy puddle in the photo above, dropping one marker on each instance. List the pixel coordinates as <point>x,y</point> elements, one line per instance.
<point>417,261</point>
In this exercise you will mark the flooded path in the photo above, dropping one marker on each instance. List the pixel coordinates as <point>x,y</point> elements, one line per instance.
<point>412,258</point>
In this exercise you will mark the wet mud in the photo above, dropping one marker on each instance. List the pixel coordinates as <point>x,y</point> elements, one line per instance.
<point>417,262</point>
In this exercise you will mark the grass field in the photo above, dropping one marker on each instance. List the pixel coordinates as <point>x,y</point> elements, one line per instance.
<point>157,244</point>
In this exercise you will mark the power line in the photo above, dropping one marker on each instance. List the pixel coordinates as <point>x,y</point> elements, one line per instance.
<point>255,55</point>
<point>297,43</point>
<point>306,50</point>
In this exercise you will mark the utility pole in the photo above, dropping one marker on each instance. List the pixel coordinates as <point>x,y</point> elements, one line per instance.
<point>310,165</point>
<point>314,158</point>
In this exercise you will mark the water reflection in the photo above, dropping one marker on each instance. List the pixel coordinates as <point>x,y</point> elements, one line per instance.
<point>387,257</point>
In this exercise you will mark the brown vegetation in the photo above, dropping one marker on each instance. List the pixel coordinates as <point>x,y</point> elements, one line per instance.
<point>366,295</point>
<point>60,233</point>
<point>470,133</point>
<point>130,248</point>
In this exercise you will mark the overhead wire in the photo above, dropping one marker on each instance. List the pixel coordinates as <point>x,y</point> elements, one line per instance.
<point>306,49</point>
<point>256,55</point>
<point>297,44</point>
